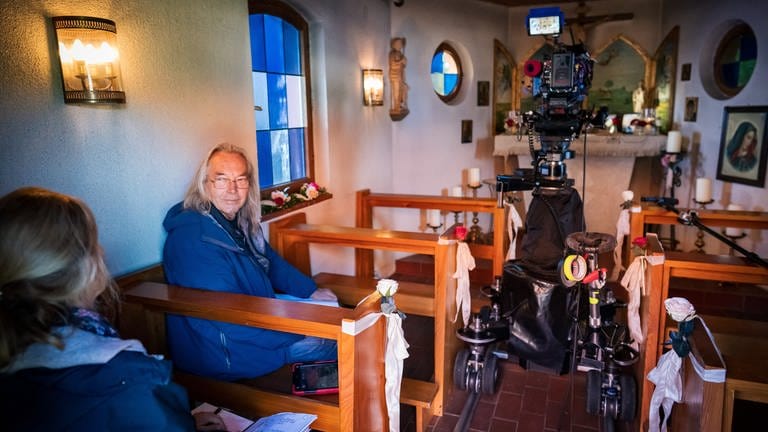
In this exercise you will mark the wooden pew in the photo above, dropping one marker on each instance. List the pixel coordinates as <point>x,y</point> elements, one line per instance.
<point>291,238</point>
<point>366,202</point>
<point>360,404</point>
<point>746,377</point>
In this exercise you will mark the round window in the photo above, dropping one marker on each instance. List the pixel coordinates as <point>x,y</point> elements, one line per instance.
<point>446,72</point>
<point>735,59</point>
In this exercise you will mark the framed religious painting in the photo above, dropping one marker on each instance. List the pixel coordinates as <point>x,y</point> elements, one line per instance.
<point>743,145</point>
<point>620,77</point>
<point>665,66</point>
<point>504,79</point>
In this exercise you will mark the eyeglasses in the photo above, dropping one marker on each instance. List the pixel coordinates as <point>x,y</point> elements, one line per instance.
<point>224,182</point>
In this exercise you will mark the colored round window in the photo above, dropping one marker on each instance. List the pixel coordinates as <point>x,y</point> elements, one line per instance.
<point>735,59</point>
<point>446,72</point>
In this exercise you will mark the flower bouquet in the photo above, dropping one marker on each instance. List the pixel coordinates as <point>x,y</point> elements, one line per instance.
<point>682,311</point>
<point>282,199</point>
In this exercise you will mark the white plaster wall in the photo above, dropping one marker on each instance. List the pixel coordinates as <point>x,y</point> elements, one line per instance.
<point>186,69</point>
<point>186,74</point>
<point>701,27</point>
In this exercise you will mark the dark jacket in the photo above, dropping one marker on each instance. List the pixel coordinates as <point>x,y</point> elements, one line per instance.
<point>95,384</point>
<point>199,253</point>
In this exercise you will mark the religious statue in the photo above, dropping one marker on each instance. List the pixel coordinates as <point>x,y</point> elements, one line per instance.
<point>638,98</point>
<point>398,87</point>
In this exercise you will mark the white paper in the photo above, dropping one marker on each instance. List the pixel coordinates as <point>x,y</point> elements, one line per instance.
<point>283,422</point>
<point>234,422</point>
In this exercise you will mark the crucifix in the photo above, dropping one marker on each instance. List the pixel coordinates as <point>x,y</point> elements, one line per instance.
<point>579,25</point>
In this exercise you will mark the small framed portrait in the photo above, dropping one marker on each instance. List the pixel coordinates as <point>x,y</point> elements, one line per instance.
<point>483,93</point>
<point>743,146</point>
<point>691,108</point>
<point>466,131</point>
<point>685,72</point>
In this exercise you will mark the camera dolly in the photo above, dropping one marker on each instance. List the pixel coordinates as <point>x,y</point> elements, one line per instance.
<point>605,347</point>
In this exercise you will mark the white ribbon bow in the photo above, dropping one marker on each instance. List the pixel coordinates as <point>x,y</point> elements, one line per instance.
<point>464,263</point>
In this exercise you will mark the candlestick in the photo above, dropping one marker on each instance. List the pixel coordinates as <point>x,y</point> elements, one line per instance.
<point>474,177</point>
<point>433,217</point>
<point>457,192</point>
<point>699,243</point>
<point>731,231</point>
<point>674,141</point>
<point>475,232</point>
<point>703,189</point>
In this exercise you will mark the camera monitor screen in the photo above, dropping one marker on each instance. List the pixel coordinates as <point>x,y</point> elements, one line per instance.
<point>545,21</point>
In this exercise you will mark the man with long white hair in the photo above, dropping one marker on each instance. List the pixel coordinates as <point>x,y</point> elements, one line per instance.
<point>215,242</point>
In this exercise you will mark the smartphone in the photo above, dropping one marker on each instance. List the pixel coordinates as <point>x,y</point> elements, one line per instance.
<point>311,378</point>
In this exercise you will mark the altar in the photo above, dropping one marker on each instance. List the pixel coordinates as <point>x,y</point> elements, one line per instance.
<point>614,163</point>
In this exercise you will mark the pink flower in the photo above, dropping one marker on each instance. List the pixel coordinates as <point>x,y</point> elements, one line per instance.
<point>279,197</point>
<point>461,232</point>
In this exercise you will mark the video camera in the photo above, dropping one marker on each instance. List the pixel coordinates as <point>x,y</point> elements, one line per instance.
<point>559,85</point>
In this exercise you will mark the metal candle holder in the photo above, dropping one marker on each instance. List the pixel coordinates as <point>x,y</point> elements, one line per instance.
<point>475,234</point>
<point>699,243</point>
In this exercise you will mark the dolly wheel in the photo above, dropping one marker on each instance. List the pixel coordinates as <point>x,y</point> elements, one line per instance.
<point>490,374</point>
<point>628,397</point>
<point>460,367</point>
<point>594,390</point>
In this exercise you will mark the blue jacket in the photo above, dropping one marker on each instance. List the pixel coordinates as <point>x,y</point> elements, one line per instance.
<point>96,383</point>
<point>199,253</point>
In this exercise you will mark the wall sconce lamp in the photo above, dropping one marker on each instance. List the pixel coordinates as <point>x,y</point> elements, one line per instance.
<point>373,87</point>
<point>90,64</point>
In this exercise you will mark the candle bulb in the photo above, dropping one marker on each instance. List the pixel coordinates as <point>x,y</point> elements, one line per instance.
<point>457,192</point>
<point>703,190</point>
<point>730,231</point>
<point>433,217</point>
<point>474,177</point>
<point>674,142</point>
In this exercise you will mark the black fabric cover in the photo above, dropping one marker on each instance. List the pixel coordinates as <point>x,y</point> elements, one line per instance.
<point>541,312</point>
<point>551,216</point>
<point>540,308</point>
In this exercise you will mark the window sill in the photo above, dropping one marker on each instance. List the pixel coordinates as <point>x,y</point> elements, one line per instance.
<point>282,212</point>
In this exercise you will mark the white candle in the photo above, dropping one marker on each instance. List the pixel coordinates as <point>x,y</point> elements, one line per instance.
<point>674,141</point>
<point>703,189</point>
<point>457,192</point>
<point>474,177</point>
<point>730,231</point>
<point>433,217</point>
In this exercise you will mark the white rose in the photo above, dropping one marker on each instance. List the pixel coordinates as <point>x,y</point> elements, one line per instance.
<point>387,287</point>
<point>679,308</point>
<point>627,195</point>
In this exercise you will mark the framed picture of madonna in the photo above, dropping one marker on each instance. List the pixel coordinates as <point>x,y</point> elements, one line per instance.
<point>743,145</point>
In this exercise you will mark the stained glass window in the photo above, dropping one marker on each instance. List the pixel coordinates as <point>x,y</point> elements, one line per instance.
<point>280,93</point>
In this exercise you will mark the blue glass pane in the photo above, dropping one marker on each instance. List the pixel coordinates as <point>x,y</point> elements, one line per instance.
<point>731,74</point>
<point>450,83</point>
<point>281,158</point>
<point>296,140</point>
<point>437,63</point>
<point>263,153</point>
<point>292,51</point>
<point>278,109</point>
<point>273,33</point>
<point>256,25</point>
<point>260,100</point>
<point>748,47</point>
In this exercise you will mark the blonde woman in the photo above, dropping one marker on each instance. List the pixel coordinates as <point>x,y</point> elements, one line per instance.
<point>62,365</point>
